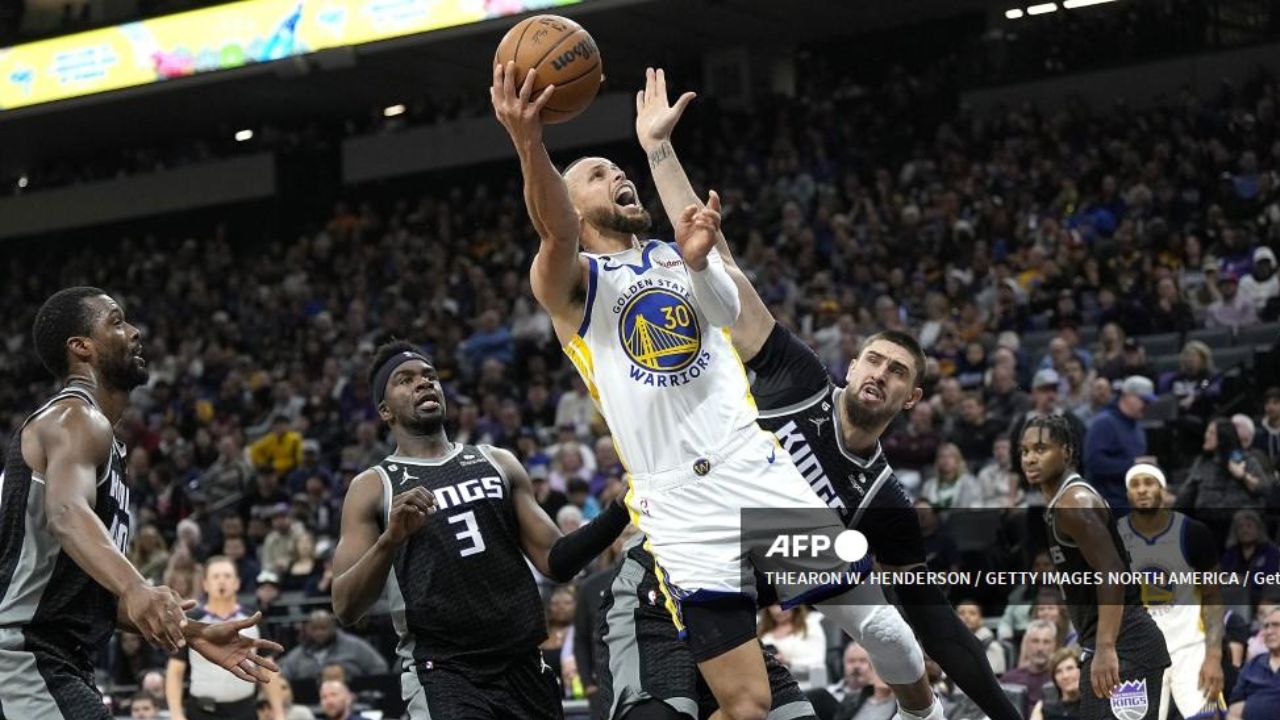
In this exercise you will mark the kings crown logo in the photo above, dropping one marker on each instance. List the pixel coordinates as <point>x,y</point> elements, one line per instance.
<point>1129,701</point>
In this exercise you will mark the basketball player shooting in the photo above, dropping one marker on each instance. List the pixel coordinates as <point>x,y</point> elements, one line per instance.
<point>1124,652</point>
<point>645,323</point>
<point>65,583</point>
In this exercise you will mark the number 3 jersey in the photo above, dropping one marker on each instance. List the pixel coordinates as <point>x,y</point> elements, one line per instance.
<point>460,588</point>
<point>671,386</point>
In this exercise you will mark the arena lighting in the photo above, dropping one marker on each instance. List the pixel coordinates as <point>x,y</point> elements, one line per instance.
<point>22,181</point>
<point>1013,13</point>
<point>1073,4</point>
<point>393,110</point>
<point>242,135</point>
<point>1042,9</point>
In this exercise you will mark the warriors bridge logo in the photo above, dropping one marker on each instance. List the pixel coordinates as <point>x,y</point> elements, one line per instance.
<point>659,331</point>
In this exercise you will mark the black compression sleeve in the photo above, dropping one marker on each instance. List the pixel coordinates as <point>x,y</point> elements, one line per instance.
<point>572,552</point>
<point>787,371</point>
<point>946,639</point>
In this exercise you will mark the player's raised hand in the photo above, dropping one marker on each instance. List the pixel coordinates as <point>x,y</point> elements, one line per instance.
<point>518,109</point>
<point>409,511</point>
<point>655,117</point>
<point>224,646</point>
<point>158,614</point>
<point>1105,674</point>
<point>696,231</point>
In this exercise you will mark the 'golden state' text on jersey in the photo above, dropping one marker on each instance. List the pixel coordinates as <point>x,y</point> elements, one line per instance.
<point>648,354</point>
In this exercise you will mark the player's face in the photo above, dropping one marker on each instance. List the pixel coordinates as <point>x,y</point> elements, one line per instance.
<point>1145,494</point>
<point>605,198</point>
<point>1043,459</point>
<point>220,581</point>
<point>880,382</point>
<point>117,345</point>
<point>414,398</point>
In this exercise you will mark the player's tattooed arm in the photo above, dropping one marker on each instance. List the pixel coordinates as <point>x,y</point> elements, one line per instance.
<point>1212,613</point>
<point>556,555</point>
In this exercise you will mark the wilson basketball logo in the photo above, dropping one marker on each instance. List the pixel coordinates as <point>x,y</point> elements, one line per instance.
<point>583,49</point>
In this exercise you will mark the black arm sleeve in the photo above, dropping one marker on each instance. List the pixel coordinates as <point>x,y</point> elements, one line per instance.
<point>1198,546</point>
<point>572,552</point>
<point>787,371</point>
<point>954,647</point>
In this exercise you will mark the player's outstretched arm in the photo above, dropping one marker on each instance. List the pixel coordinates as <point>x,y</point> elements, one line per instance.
<point>365,551</point>
<point>713,288</point>
<point>556,271</point>
<point>222,644</point>
<point>1082,519</point>
<point>556,555</point>
<point>75,441</point>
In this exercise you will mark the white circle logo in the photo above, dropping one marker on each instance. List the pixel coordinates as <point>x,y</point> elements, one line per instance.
<point>851,546</point>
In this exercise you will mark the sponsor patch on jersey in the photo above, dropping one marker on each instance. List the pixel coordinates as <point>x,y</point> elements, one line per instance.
<point>1130,701</point>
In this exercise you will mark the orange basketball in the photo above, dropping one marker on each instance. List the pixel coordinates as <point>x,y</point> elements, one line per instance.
<point>563,54</point>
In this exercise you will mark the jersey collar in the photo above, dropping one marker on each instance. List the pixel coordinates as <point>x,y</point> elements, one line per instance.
<point>839,428</point>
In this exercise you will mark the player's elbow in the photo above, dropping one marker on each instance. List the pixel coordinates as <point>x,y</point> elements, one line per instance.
<point>345,608</point>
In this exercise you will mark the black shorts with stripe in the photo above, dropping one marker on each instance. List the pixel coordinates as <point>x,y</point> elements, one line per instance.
<point>519,688</point>
<point>37,681</point>
<point>640,656</point>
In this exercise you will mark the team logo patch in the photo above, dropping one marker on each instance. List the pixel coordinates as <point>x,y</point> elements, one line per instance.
<point>659,331</point>
<point>702,466</point>
<point>1129,702</point>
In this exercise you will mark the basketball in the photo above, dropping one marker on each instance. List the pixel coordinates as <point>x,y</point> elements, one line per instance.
<point>564,55</point>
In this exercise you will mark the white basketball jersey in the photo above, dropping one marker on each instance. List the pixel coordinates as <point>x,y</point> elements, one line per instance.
<point>1174,606</point>
<point>671,387</point>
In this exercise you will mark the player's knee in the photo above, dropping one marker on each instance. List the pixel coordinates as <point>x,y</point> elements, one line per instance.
<point>892,646</point>
<point>751,705</point>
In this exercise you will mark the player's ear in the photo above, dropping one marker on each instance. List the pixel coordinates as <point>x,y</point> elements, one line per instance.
<point>916,395</point>
<point>80,347</point>
<point>384,412</point>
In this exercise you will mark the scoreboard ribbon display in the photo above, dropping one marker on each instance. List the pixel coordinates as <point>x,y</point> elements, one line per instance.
<point>222,37</point>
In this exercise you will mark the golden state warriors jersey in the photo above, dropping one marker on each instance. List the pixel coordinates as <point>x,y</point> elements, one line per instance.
<point>1173,604</point>
<point>671,387</point>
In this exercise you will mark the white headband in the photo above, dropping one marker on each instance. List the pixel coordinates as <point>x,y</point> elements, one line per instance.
<point>1145,469</point>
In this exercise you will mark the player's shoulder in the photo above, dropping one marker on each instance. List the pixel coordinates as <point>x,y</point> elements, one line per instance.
<point>73,417</point>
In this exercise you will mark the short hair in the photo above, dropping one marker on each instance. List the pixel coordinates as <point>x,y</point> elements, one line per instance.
<point>63,316</point>
<point>1040,624</point>
<point>1060,431</point>
<point>141,696</point>
<point>906,342</point>
<point>1272,393</point>
<point>223,559</point>
<point>385,352</point>
<point>569,168</point>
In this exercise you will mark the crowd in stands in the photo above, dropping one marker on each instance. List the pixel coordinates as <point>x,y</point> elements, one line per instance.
<point>1037,256</point>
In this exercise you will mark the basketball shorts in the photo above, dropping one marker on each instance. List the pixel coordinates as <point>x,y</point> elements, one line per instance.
<point>518,688</point>
<point>1181,687</point>
<point>692,517</point>
<point>35,683</point>
<point>1138,697</point>
<point>641,657</point>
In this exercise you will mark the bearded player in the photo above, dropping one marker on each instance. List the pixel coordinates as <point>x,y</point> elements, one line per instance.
<point>645,323</point>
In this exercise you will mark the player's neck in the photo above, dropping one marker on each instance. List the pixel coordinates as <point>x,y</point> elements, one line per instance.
<point>858,440</point>
<point>601,242</point>
<point>1150,524</point>
<point>111,402</point>
<point>423,446</point>
<point>222,607</point>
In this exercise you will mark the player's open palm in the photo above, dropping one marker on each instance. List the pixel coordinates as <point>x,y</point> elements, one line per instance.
<point>224,646</point>
<point>655,117</point>
<point>697,229</point>
<point>1105,674</point>
<point>409,511</point>
<point>517,108</point>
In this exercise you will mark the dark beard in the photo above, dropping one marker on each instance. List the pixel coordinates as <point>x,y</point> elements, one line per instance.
<point>425,426</point>
<point>864,418</point>
<point>613,219</point>
<point>124,375</point>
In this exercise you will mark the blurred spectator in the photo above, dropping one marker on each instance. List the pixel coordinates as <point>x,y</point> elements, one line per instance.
<point>1050,606</point>
<point>236,550</point>
<point>950,484</point>
<point>337,702</point>
<point>491,340</point>
<point>277,549</point>
<point>1100,396</point>
<point>607,465</point>
<point>1077,385</point>
<point>1257,692</point>
<point>1133,361</point>
<point>1111,346</point>
<point>560,612</point>
<point>310,466</point>
<point>368,450</point>
<point>1267,602</point>
<point>1064,668</point>
<point>1169,313</point>
<point>1195,383</point>
<point>143,707</point>
<point>1247,431</point>
<point>873,699</point>
<point>580,497</point>
<point>1250,553</point>
<point>971,613</point>
<point>230,473</point>
<point>1223,479</point>
<point>916,446</point>
<point>939,545</point>
<point>1038,645</point>
<point>974,431</point>
<point>1261,285</point>
<point>152,684</point>
<point>568,518</point>
<point>1229,308</point>
<point>1268,438</point>
<point>1005,402</point>
<point>129,656</point>
<point>150,554</point>
<point>568,465</point>
<point>576,409</point>
<point>324,643</point>
<point>280,450</point>
<point>305,571</point>
<point>1115,438</point>
<point>1017,613</point>
<point>996,480</point>
<point>292,711</point>
<point>797,636</point>
<point>550,500</point>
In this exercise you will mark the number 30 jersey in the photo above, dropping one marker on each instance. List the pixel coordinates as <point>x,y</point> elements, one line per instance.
<point>460,588</point>
<point>671,387</point>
